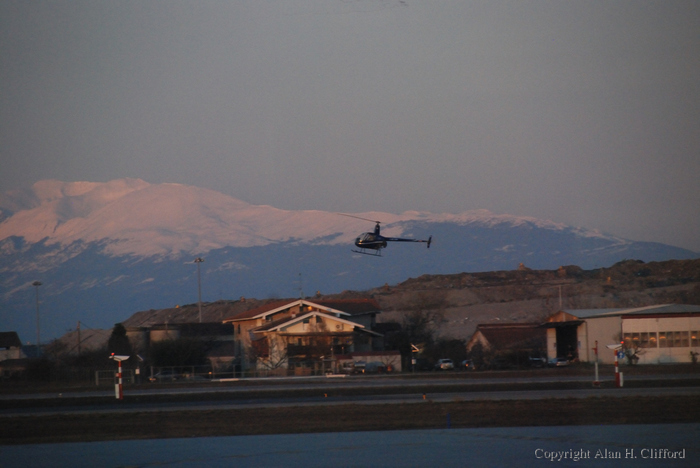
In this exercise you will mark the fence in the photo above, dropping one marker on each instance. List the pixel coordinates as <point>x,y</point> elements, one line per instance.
<point>107,377</point>
<point>187,374</point>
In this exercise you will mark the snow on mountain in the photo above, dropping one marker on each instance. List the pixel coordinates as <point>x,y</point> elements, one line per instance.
<point>144,219</point>
<point>106,250</point>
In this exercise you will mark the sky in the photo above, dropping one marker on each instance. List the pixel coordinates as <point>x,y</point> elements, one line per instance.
<point>580,112</point>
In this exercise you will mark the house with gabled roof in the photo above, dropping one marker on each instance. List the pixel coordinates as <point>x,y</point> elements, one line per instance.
<point>302,337</point>
<point>10,346</point>
<point>13,360</point>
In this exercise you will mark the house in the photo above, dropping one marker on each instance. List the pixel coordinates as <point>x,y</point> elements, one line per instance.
<point>10,346</point>
<point>302,337</point>
<point>508,337</point>
<point>649,335</point>
<point>13,360</point>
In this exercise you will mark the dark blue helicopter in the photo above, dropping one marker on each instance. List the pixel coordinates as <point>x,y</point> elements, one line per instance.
<point>375,242</point>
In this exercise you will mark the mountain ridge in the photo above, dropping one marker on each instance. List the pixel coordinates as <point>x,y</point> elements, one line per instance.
<point>129,211</point>
<point>104,250</point>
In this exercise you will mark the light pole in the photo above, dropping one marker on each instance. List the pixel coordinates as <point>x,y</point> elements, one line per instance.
<point>36,284</point>
<point>199,260</point>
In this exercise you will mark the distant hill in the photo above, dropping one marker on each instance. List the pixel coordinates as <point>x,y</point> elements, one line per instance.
<point>105,250</point>
<point>467,299</point>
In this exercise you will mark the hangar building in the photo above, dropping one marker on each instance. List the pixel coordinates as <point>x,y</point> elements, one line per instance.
<point>654,334</point>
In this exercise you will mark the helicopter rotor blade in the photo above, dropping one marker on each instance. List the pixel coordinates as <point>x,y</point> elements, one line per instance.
<point>359,217</point>
<point>401,239</point>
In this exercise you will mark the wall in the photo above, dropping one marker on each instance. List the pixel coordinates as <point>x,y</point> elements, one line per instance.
<point>660,350</point>
<point>606,331</point>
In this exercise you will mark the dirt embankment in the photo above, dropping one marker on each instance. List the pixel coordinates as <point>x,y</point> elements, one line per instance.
<point>525,295</point>
<point>467,299</point>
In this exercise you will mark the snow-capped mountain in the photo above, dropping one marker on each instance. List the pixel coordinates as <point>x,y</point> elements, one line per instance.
<point>106,250</point>
<point>134,217</point>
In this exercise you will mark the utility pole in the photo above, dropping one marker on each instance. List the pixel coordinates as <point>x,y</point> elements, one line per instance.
<point>199,260</point>
<point>36,284</point>
<point>560,301</point>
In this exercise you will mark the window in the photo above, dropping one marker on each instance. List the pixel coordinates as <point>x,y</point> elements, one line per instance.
<point>628,340</point>
<point>694,339</point>
<point>675,339</point>
<point>647,340</point>
<point>653,342</point>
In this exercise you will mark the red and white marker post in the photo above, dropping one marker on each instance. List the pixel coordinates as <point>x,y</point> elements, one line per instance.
<point>596,382</point>
<point>118,385</point>
<point>118,382</point>
<point>618,375</point>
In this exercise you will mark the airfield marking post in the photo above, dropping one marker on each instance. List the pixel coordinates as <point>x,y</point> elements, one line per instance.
<point>118,386</point>
<point>618,377</point>
<point>596,382</point>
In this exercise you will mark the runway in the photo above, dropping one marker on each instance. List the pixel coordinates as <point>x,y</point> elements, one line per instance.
<point>663,445</point>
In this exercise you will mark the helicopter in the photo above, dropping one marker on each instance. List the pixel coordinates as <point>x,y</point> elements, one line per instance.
<point>372,243</point>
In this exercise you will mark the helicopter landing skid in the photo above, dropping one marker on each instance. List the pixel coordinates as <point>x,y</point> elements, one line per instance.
<point>377,254</point>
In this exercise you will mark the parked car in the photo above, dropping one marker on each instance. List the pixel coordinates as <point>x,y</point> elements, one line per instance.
<point>467,365</point>
<point>359,367</point>
<point>559,362</point>
<point>444,364</point>
<point>537,362</point>
<point>375,368</point>
<point>165,376</point>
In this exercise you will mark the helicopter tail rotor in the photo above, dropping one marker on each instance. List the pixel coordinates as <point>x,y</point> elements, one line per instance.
<point>430,240</point>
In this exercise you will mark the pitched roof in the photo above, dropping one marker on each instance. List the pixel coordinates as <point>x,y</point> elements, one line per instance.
<point>277,324</point>
<point>248,314</point>
<point>508,335</point>
<point>351,306</point>
<point>10,340</point>
<point>659,309</point>
<point>343,306</point>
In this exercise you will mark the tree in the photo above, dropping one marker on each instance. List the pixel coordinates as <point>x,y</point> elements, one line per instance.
<point>268,353</point>
<point>478,356</point>
<point>118,342</point>
<point>454,349</point>
<point>424,313</point>
<point>179,352</point>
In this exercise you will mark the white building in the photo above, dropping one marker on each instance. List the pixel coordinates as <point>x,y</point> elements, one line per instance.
<point>656,334</point>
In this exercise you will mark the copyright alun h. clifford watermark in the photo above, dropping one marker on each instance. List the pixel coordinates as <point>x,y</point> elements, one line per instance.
<point>608,454</point>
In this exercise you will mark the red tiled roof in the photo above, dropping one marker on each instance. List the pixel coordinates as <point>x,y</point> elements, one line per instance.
<point>260,310</point>
<point>350,306</point>
<point>10,340</point>
<point>269,325</point>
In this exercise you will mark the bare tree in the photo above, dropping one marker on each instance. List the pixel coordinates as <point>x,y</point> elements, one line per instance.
<point>424,314</point>
<point>267,353</point>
